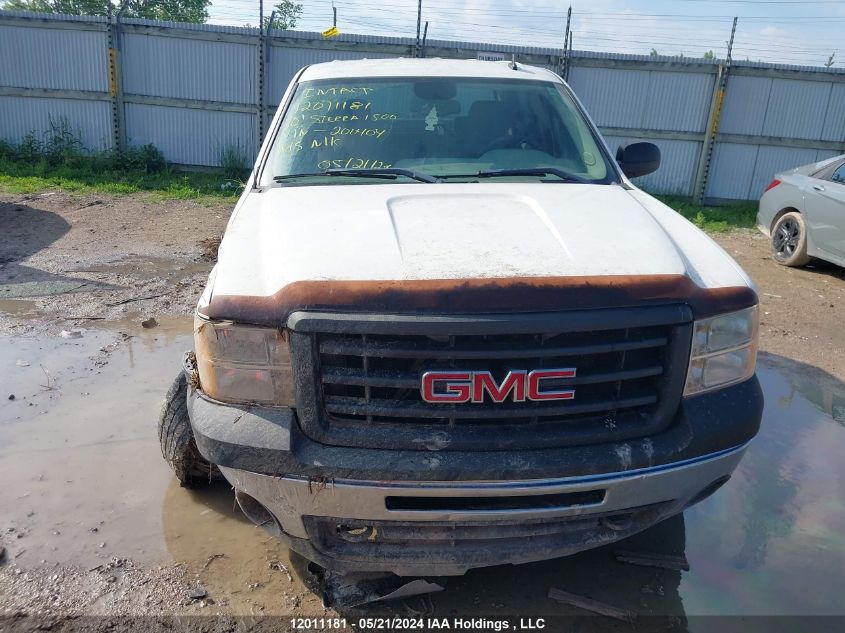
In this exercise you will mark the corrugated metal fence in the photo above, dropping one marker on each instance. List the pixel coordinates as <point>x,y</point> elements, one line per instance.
<point>193,90</point>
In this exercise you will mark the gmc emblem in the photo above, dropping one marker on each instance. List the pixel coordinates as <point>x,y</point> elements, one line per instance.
<point>471,386</point>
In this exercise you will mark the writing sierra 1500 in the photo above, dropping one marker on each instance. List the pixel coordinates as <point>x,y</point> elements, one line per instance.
<point>447,322</point>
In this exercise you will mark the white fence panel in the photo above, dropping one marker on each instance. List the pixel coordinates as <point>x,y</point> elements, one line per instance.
<point>89,120</point>
<point>193,91</point>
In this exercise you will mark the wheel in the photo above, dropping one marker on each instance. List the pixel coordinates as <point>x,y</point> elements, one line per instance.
<point>789,240</point>
<point>177,438</point>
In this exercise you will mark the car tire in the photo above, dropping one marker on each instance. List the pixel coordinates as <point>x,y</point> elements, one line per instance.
<point>789,240</point>
<point>176,437</point>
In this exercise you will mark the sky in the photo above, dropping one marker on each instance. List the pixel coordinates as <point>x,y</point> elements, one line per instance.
<point>782,31</point>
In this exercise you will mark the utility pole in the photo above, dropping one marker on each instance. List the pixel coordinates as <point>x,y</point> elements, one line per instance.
<point>568,55</point>
<point>705,160</point>
<point>334,12</point>
<point>565,61</point>
<point>419,23</point>
<point>425,37</point>
<point>261,58</point>
<point>731,42</point>
<point>116,77</point>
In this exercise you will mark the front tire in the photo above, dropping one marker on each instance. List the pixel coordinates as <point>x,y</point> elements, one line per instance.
<point>176,437</point>
<point>789,240</point>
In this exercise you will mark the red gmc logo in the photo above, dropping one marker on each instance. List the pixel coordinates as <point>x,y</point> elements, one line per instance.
<point>471,386</point>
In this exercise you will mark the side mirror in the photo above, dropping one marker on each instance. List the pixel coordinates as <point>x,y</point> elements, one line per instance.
<point>638,159</point>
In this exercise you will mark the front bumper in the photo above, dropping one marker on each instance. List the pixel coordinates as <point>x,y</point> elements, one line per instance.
<point>444,512</point>
<point>428,528</point>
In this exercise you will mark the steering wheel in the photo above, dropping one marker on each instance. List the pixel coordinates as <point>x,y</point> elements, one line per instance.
<point>508,141</point>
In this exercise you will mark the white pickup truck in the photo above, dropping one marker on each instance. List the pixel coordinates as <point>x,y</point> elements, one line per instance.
<point>445,331</point>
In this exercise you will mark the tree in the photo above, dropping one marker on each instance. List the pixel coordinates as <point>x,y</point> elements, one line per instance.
<point>70,7</point>
<point>175,10</point>
<point>653,53</point>
<point>830,61</point>
<point>287,14</point>
<point>708,55</point>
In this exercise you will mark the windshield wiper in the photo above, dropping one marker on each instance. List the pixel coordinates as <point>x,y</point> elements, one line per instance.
<point>387,173</point>
<point>533,171</point>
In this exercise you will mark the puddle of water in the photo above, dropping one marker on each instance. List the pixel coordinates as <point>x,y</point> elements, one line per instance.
<point>85,455</point>
<point>18,308</point>
<point>77,451</point>
<point>82,468</point>
<point>232,557</point>
<point>773,540</point>
<point>147,267</point>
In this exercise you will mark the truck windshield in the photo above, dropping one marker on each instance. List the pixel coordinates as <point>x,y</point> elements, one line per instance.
<point>451,128</point>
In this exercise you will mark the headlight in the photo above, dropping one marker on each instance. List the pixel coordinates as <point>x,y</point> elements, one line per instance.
<point>724,351</point>
<point>243,363</point>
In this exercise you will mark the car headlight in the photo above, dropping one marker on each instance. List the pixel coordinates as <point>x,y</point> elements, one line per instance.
<point>724,351</point>
<point>243,363</point>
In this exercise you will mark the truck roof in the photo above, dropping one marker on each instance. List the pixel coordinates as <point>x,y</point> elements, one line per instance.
<point>430,67</point>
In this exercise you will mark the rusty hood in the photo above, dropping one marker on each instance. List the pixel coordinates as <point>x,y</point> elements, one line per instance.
<point>488,247</point>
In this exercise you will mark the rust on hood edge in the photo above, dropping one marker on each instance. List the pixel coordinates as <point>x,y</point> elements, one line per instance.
<point>479,296</point>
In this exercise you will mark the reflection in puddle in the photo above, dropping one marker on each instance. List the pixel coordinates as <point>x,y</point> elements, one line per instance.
<point>772,541</point>
<point>84,481</point>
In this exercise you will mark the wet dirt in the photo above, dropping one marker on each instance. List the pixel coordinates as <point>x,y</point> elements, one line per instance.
<point>77,258</point>
<point>18,308</point>
<point>85,485</point>
<point>800,308</point>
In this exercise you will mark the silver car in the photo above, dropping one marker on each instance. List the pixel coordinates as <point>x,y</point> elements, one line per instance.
<point>803,211</point>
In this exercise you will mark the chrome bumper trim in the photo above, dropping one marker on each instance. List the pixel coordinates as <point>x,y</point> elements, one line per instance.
<point>291,498</point>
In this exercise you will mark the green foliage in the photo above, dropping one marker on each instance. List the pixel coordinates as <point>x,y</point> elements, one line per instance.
<point>30,148</point>
<point>287,14</point>
<point>741,215</point>
<point>7,150</point>
<point>60,161</point>
<point>147,158</point>
<point>654,53</point>
<point>70,7</point>
<point>99,175</point>
<point>175,10</point>
<point>708,55</point>
<point>233,161</point>
<point>62,145</point>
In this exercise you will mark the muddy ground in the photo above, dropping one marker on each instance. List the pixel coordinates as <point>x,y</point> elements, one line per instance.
<point>69,260</point>
<point>93,523</point>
